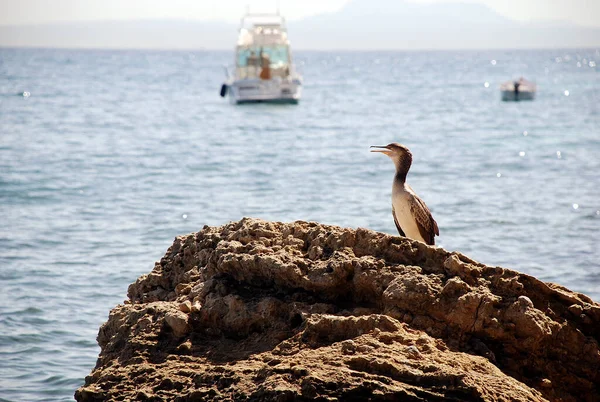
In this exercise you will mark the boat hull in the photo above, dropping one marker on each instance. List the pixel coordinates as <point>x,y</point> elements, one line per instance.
<point>273,101</point>
<point>508,96</point>
<point>264,91</point>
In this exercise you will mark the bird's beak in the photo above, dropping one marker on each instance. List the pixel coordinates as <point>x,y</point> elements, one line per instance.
<point>383,149</point>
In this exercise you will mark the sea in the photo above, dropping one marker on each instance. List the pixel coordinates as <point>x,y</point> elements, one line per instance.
<point>106,156</point>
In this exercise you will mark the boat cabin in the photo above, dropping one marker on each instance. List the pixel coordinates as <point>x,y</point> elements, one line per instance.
<point>263,50</point>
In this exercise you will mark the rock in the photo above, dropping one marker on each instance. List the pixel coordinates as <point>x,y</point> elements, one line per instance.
<point>258,310</point>
<point>178,321</point>
<point>186,306</point>
<point>413,352</point>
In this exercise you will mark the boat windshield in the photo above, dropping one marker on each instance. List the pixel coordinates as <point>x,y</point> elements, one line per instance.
<point>278,55</point>
<point>250,61</point>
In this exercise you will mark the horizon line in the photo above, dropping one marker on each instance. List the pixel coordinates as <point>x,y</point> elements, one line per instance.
<point>205,49</point>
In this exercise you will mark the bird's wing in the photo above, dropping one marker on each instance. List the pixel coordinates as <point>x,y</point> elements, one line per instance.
<point>427,225</point>
<point>396,222</point>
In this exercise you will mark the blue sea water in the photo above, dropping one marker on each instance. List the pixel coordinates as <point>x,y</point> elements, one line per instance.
<point>106,156</point>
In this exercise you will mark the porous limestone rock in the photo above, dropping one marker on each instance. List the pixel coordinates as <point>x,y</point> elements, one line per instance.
<point>267,311</point>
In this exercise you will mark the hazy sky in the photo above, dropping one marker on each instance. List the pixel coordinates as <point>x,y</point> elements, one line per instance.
<point>16,12</point>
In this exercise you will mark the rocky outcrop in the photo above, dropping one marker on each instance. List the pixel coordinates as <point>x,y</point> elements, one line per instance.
<point>261,311</point>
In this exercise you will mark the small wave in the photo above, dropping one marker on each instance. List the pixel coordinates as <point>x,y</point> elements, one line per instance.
<point>26,311</point>
<point>19,337</point>
<point>56,380</point>
<point>22,351</point>
<point>21,94</point>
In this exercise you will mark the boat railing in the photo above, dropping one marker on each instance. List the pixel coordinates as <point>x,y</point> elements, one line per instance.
<point>266,16</point>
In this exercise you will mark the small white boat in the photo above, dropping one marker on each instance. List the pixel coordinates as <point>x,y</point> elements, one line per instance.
<point>264,69</point>
<point>517,90</point>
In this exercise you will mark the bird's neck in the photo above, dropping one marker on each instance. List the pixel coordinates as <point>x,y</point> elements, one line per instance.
<point>400,178</point>
<point>402,168</point>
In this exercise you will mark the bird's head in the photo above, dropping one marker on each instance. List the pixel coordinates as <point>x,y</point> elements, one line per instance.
<point>392,150</point>
<point>399,153</point>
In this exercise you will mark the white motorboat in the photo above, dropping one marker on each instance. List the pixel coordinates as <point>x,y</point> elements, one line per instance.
<point>264,70</point>
<point>518,90</point>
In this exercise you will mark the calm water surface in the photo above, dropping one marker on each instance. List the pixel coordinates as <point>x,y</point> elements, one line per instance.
<point>114,153</point>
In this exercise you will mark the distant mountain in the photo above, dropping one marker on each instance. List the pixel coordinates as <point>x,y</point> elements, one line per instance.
<point>365,24</point>
<point>361,24</point>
